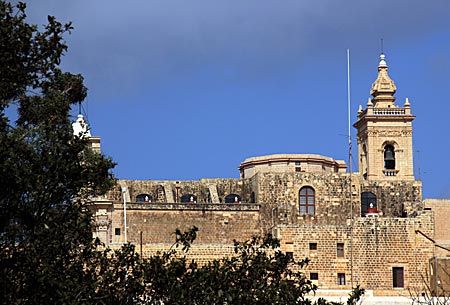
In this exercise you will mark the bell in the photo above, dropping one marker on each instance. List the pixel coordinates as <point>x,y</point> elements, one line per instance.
<point>389,156</point>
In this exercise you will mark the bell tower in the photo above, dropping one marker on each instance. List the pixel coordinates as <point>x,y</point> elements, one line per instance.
<point>384,133</point>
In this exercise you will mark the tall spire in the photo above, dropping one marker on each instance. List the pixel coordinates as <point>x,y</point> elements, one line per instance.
<point>383,89</point>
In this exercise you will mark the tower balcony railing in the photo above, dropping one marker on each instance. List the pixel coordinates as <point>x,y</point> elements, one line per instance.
<point>390,172</point>
<point>389,111</point>
<point>384,112</point>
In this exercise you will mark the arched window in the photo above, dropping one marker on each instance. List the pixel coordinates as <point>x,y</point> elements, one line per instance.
<point>233,198</point>
<point>389,157</point>
<point>188,198</point>
<point>144,198</point>
<point>366,199</point>
<point>307,200</point>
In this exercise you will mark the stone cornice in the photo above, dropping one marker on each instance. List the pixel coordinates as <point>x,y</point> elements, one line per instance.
<point>292,158</point>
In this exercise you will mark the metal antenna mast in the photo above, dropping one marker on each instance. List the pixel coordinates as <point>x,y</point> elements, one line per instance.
<point>350,167</point>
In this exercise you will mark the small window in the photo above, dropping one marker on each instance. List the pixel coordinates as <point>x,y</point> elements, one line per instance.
<point>297,163</point>
<point>188,198</point>
<point>397,277</point>
<point>233,198</point>
<point>144,198</point>
<point>312,246</point>
<point>290,255</point>
<point>314,276</point>
<point>298,169</point>
<point>340,249</point>
<point>341,279</point>
<point>252,197</point>
<point>117,231</point>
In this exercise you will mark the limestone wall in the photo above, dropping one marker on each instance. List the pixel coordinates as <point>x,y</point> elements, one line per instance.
<point>396,198</point>
<point>440,277</point>
<point>441,209</point>
<point>285,163</point>
<point>379,245</point>
<point>332,195</point>
<point>171,191</point>
<point>201,253</point>
<point>217,223</point>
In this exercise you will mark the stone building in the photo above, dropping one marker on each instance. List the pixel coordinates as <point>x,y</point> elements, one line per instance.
<point>370,227</point>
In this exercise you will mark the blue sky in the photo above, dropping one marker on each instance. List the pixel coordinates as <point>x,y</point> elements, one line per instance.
<point>189,89</point>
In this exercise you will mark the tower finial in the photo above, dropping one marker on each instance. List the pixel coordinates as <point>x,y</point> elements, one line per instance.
<point>383,89</point>
<point>382,63</point>
<point>382,47</point>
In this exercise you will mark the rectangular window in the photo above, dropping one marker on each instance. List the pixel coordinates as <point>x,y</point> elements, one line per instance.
<point>341,279</point>
<point>397,277</point>
<point>314,276</point>
<point>290,255</point>
<point>340,249</point>
<point>117,231</point>
<point>312,246</point>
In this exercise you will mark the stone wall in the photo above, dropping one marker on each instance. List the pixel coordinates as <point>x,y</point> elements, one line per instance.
<point>441,210</point>
<point>285,163</point>
<point>242,187</point>
<point>440,277</point>
<point>217,223</point>
<point>332,195</point>
<point>171,191</point>
<point>201,253</point>
<point>396,198</point>
<point>379,245</point>
<point>282,188</point>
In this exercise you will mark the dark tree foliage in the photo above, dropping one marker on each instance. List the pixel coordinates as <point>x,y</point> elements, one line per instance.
<point>257,273</point>
<point>47,175</point>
